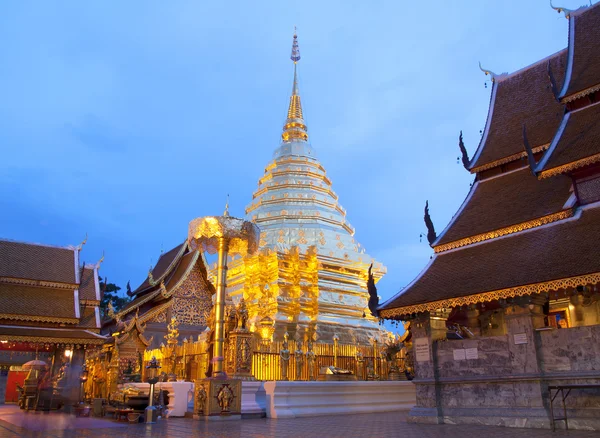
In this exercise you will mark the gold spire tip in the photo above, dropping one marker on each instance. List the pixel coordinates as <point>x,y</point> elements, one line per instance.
<point>226,212</point>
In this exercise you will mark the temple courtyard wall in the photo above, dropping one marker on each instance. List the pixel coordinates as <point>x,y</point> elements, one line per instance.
<point>504,380</point>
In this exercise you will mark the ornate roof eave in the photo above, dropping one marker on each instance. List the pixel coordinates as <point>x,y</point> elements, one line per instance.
<point>564,214</point>
<point>580,94</point>
<point>53,340</point>
<point>38,283</point>
<point>39,318</point>
<point>508,159</point>
<point>592,159</point>
<point>530,289</point>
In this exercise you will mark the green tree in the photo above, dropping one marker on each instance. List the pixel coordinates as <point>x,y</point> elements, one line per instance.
<point>111,295</point>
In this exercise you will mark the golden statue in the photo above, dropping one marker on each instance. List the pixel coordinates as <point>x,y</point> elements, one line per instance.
<point>225,398</point>
<point>200,400</point>
<point>284,355</point>
<point>241,315</point>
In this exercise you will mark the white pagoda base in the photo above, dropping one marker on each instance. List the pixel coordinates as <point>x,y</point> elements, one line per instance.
<point>308,399</point>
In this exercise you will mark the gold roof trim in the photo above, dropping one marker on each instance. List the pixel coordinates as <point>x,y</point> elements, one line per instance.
<point>505,231</point>
<point>38,283</point>
<point>38,318</point>
<point>569,166</point>
<point>508,159</point>
<point>51,340</point>
<point>582,93</point>
<point>518,291</point>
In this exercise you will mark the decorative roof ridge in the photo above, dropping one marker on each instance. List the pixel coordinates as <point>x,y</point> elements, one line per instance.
<point>191,266</point>
<point>529,289</point>
<point>505,76</point>
<point>409,285</point>
<point>155,281</point>
<point>504,231</point>
<point>569,70</point>
<point>458,213</point>
<point>67,247</point>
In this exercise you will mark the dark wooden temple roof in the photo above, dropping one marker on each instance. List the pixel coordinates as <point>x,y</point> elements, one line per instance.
<point>578,140</point>
<point>163,267</point>
<point>524,97</point>
<point>565,249</point>
<point>506,200</point>
<point>87,286</point>
<point>37,262</point>
<point>42,304</point>
<point>54,335</point>
<point>584,50</point>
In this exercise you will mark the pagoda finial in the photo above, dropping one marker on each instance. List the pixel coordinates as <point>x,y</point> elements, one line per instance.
<point>294,128</point>
<point>226,212</point>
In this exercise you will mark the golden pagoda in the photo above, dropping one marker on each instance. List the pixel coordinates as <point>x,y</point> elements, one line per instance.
<point>309,277</point>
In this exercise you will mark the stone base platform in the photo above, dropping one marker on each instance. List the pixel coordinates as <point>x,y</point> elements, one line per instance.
<point>536,418</point>
<point>306,399</point>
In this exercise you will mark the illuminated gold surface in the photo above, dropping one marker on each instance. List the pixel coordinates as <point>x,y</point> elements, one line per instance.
<point>512,292</point>
<point>570,166</point>
<point>504,231</point>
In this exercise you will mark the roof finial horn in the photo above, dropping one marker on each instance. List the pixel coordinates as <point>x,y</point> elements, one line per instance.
<point>560,9</point>
<point>488,72</point>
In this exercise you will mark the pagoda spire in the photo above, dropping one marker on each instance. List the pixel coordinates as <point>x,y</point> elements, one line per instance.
<point>295,128</point>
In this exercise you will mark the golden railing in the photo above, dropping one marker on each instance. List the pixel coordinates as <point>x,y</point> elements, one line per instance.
<point>191,359</point>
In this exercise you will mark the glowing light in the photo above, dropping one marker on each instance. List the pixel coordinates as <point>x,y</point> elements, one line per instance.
<point>68,353</point>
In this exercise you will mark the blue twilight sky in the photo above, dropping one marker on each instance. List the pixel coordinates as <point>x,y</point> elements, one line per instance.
<point>126,120</point>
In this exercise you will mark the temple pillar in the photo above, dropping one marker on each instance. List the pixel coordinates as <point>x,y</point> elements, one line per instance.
<point>428,329</point>
<point>473,321</point>
<point>578,313</point>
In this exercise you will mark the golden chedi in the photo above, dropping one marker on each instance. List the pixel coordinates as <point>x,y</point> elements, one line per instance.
<point>309,276</point>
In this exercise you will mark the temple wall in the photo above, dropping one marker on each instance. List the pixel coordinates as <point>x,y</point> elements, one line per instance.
<point>503,380</point>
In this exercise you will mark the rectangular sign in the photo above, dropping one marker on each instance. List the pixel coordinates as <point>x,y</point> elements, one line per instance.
<point>520,338</point>
<point>459,354</point>
<point>422,349</point>
<point>471,353</point>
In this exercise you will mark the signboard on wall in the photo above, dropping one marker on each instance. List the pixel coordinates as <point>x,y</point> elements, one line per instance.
<point>422,349</point>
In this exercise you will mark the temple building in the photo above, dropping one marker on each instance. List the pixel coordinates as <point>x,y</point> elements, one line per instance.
<point>176,287</point>
<point>49,309</point>
<point>310,276</point>
<point>513,281</point>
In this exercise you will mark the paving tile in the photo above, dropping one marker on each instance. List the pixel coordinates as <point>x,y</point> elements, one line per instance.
<point>380,425</point>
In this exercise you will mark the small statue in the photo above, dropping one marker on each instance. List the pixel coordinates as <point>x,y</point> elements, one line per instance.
<point>299,360</point>
<point>311,359</point>
<point>371,371</point>
<point>225,398</point>
<point>200,400</point>
<point>284,354</point>
<point>241,315</point>
<point>360,364</point>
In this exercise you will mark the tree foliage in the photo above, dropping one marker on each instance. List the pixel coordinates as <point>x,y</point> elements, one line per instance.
<point>111,295</point>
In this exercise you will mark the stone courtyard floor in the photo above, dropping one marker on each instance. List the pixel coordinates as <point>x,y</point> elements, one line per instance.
<point>15,423</point>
